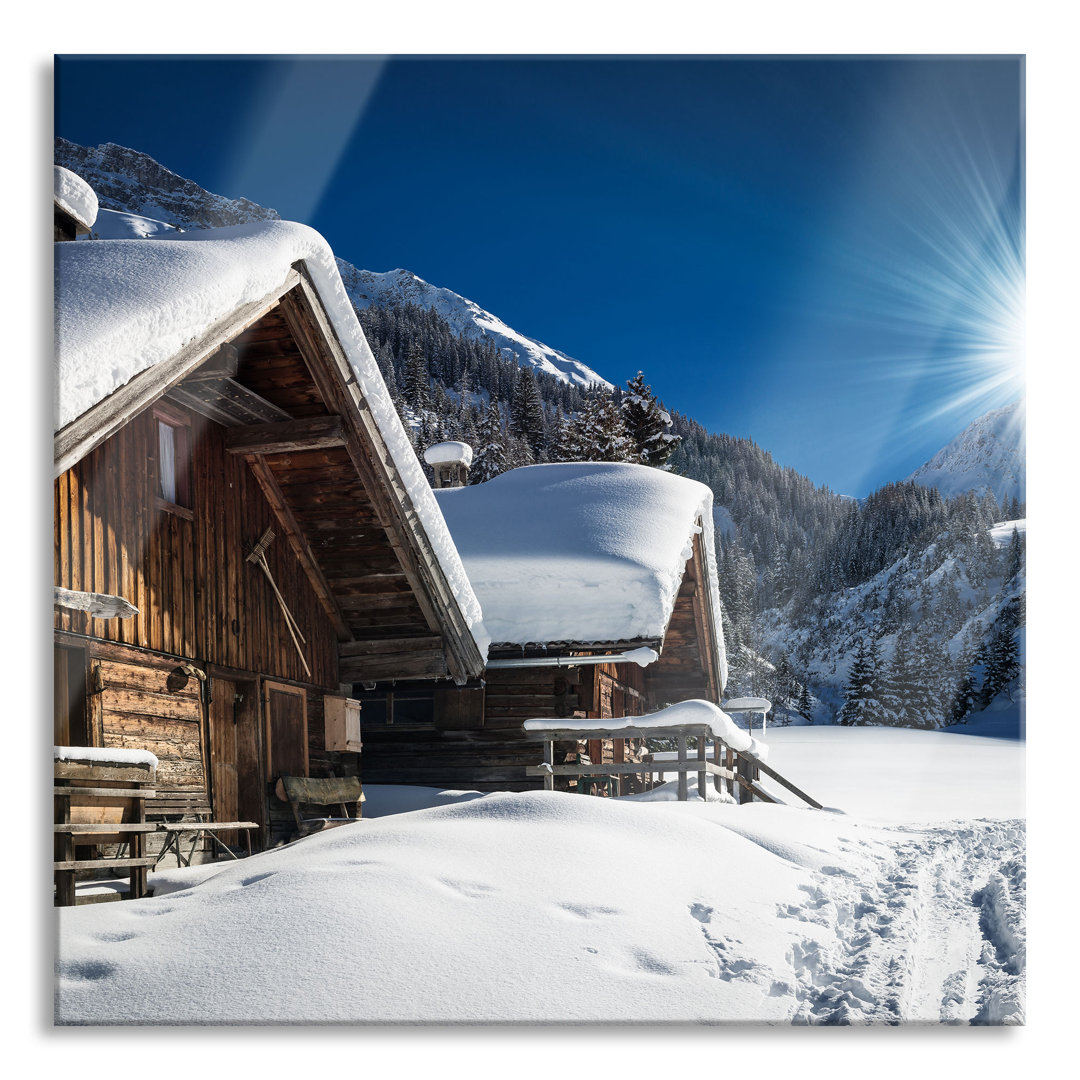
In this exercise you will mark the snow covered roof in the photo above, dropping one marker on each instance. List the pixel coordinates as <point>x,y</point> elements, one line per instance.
<point>581,552</point>
<point>75,196</point>
<point>124,306</point>
<point>449,453</point>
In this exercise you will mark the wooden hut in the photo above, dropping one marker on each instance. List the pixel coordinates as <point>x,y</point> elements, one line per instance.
<point>242,531</point>
<point>599,590</point>
<point>75,205</point>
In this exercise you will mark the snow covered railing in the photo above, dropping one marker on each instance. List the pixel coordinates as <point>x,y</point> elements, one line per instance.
<point>737,757</point>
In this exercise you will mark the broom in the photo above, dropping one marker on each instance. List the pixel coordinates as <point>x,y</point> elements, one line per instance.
<point>258,557</point>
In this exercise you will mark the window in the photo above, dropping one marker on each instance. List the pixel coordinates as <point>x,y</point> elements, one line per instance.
<point>173,434</point>
<point>400,707</point>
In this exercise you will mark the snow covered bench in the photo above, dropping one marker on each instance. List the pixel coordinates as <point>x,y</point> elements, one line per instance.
<point>308,791</point>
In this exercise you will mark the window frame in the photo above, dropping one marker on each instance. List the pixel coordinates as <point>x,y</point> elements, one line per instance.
<point>180,425</point>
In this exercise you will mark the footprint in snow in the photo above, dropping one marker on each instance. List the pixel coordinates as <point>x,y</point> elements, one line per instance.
<point>588,911</point>
<point>474,890</point>
<point>115,935</point>
<point>257,877</point>
<point>651,965</point>
<point>85,970</point>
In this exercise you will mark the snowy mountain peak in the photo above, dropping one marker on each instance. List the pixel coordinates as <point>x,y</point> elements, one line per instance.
<point>134,183</point>
<point>466,318</point>
<point>153,200</point>
<point>988,455</point>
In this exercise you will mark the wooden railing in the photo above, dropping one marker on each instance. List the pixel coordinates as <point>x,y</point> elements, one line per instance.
<point>731,769</point>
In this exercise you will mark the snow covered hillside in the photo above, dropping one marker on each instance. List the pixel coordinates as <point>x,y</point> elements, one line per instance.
<point>940,605</point>
<point>133,183</point>
<point>988,455</point>
<point>890,912</point>
<point>466,318</point>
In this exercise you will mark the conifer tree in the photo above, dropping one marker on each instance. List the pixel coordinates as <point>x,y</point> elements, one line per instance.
<point>527,412</point>
<point>490,457</point>
<point>965,695</point>
<point>1002,654</point>
<point>1014,555</point>
<point>417,390</point>
<point>899,685</point>
<point>614,443</point>
<point>647,425</point>
<point>569,442</point>
<point>862,696</point>
<point>932,686</point>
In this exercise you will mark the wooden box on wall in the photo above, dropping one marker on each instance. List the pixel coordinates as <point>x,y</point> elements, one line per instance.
<point>342,718</point>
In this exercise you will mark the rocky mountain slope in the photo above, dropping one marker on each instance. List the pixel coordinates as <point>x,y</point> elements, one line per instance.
<point>987,456</point>
<point>466,318</point>
<point>134,183</point>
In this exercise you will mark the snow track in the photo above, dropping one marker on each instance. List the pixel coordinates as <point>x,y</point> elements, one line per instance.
<point>936,936</point>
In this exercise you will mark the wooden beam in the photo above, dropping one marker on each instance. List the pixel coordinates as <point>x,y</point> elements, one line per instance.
<point>75,440</point>
<point>224,364</point>
<point>786,783</point>
<point>600,732</point>
<point>100,605</point>
<point>628,767</point>
<point>386,646</point>
<point>298,542</point>
<point>289,436</point>
<point>378,666</point>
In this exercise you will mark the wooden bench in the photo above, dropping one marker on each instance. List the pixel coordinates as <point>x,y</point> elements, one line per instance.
<point>307,791</point>
<point>99,804</point>
<point>185,812</point>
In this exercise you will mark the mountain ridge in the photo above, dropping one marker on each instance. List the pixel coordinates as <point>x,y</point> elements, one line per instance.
<point>987,456</point>
<point>130,182</point>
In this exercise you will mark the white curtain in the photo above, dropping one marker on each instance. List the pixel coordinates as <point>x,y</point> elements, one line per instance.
<point>167,461</point>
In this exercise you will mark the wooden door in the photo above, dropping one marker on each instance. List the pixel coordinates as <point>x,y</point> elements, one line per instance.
<point>239,785</point>
<point>70,716</point>
<point>285,710</point>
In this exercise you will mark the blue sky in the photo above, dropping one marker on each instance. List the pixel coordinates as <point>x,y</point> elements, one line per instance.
<point>824,255</point>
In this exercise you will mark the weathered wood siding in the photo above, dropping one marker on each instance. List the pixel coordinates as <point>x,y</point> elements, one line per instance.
<point>152,705</point>
<point>197,595</point>
<point>476,739</point>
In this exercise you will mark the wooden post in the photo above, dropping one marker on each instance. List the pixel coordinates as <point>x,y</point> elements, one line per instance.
<point>683,785</point>
<point>549,759</point>
<point>717,781</point>
<point>64,851</point>
<point>702,777</point>
<point>729,763</point>
<point>746,772</point>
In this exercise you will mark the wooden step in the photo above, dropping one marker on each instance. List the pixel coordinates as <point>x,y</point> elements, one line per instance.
<point>103,864</point>
<point>108,793</point>
<point>84,828</point>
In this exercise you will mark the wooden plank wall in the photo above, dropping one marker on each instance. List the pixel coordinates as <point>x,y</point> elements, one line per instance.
<point>152,706</point>
<point>476,740</point>
<point>196,594</point>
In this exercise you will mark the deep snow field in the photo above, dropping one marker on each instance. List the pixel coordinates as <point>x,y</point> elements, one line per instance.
<point>901,904</point>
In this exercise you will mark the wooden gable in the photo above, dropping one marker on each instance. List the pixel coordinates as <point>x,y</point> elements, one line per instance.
<point>274,383</point>
<point>689,664</point>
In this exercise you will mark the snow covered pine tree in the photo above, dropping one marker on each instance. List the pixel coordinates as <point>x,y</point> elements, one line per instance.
<point>647,424</point>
